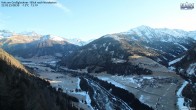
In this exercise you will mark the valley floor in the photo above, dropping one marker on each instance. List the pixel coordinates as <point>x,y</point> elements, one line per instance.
<point>157,90</point>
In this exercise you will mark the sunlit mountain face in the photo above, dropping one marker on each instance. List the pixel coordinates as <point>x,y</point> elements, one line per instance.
<point>34,45</point>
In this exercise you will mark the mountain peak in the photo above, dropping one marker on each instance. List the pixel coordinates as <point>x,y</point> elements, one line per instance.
<point>52,37</point>
<point>32,33</point>
<point>143,27</point>
<point>142,31</point>
<point>147,33</point>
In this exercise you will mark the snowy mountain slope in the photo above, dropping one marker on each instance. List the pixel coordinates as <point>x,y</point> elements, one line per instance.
<point>160,45</point>
<point>28,35</point>
<point>99,55</point>
<point>163,34</point>
<point>77,41</point>
<point>168,42</point>
<point>52,37</point>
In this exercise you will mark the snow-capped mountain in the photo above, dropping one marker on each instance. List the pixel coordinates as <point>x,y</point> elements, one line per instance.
<point>30,44</point>
<point>160,45</point>
<point>171,41</point>
<point>162,34</point>
<point>29,33</point>
<point>52,37</point>
<point>77,41</point>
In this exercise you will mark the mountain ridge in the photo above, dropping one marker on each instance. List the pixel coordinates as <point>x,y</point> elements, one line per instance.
<point>161,48</point>
<point>31,46</point>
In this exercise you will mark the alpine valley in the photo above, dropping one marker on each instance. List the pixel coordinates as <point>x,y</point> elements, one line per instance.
<point>141,69</point>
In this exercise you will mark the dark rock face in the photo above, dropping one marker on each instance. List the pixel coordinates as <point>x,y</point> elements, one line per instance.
<point>20,90</point>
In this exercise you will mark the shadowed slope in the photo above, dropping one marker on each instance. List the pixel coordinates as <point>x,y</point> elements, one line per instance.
<point>20,90</point>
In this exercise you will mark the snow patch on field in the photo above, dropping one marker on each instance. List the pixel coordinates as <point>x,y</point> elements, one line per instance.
<point>87,98</point>
<point>141,98</point>
<point>171,68</point>
<point>132,80</point>
<point>147,77</point>
<point>122,82</point>
<point>112,82</point>
<point>78,83</point>
<point>180,101</point>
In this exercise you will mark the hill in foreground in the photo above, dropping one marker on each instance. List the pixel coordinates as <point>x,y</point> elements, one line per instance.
<point>20,90</point>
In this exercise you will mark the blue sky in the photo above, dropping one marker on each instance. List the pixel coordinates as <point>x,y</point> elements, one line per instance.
<point>89,19</point>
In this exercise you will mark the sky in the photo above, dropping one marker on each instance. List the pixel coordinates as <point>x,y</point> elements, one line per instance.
<point>90,19</point>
